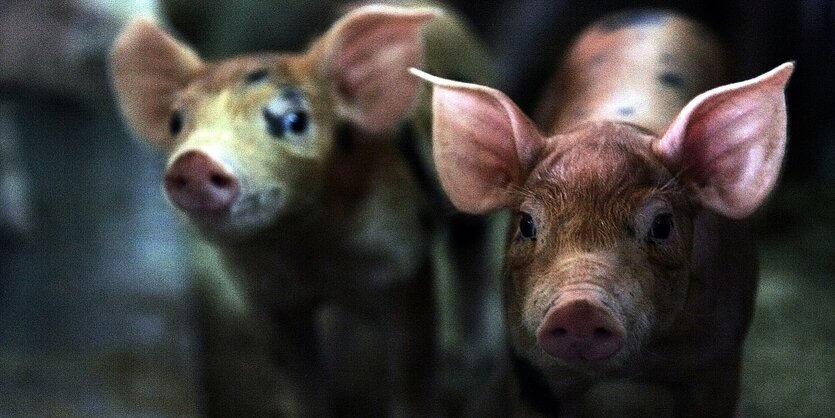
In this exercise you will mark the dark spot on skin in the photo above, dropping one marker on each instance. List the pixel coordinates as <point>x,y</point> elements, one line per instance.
<point>666,58</point>
<point>641,17</point>
<point>670,79</point>
<point>598,59</point>
<point>293,95</point>
<point>257,76</point>
<point>626,111</point>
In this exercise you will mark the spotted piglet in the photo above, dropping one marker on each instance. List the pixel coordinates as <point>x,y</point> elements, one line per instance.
<point>625,261</point>
<point>289,166</point>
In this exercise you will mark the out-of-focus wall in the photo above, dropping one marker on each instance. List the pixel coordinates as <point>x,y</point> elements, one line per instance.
<point>95,316</point>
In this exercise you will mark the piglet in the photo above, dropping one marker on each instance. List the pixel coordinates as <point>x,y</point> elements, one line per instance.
<point>625,260</point>
<point>290,167</point>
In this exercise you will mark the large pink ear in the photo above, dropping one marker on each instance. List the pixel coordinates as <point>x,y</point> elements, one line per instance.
<point>484,145</point>
<point>728,143</point>
<point>367,55</point>
<point>148,68</point>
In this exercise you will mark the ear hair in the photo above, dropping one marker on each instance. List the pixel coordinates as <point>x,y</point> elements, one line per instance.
<point>729,142</point>
<point>484,145</point>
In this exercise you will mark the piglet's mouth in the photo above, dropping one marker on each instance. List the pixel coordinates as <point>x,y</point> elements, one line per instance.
<point>257,207</point>
<point>249,215</point>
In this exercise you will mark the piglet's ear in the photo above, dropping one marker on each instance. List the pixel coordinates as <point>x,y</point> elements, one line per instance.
<point>367,55</point>
<point>148,68</point>
<point>483,144</point>
<point>728,143</point>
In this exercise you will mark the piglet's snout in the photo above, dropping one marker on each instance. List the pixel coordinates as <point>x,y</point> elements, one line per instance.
<point>196,183</point>
<point>580,327</point>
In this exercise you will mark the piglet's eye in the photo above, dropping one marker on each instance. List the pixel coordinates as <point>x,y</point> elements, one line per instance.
<point>527,227</point>
<point>257,76</point>
<point>295,122</point>
<point>175,124</point>
<point>283,124</point>
<point>662,227</point>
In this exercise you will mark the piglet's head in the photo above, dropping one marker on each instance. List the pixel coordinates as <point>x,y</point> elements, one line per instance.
<point>251,139</point>
<point>598,255</point>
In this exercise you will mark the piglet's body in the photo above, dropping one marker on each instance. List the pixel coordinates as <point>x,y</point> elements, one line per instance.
<point>639,68</point>
<point>624,261</point>
<point>289,166</point>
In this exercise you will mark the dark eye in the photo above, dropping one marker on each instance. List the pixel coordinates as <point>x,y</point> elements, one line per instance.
<point>662,226</point>
<point>527,227</point>
<point>289,123</point>
<point>257,76</point>
<point>175,125</point>
<point>295,122</point>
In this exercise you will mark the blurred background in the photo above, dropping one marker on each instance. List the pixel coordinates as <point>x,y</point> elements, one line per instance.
<point>97,311</point>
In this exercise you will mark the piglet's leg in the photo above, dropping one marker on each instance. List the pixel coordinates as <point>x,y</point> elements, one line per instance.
<point>409,331</point>
<point>294,352</point>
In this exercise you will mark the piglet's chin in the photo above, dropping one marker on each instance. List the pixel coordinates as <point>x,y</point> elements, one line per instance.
<point>249,215</point>
<point>620,364</point>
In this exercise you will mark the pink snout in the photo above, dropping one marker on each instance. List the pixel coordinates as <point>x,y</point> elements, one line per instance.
<point>198,184</point>
<point>580,327</point>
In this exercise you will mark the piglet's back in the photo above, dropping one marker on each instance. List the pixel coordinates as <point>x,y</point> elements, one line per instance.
<point>639,67</point>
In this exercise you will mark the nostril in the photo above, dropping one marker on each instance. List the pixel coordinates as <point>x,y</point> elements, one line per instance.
<point>602,333</point>
<point>177,182</point>
<point>559,332</point>
<point>220,181</point>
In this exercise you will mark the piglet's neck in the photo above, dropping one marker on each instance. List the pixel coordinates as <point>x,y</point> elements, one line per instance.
<point>296,240</point>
